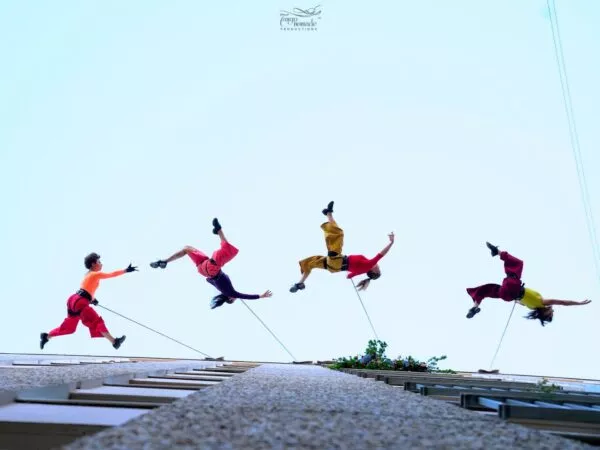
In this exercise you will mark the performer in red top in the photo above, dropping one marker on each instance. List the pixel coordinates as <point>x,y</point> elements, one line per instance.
<point>335,261</point>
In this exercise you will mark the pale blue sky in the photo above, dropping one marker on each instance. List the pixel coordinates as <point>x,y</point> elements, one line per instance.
<point>126,127</point>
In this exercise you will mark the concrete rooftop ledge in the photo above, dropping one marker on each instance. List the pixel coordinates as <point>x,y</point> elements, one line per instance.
<point>14,379</point>
<point>283,406</point>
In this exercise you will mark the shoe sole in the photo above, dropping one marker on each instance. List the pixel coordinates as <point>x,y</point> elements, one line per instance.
<point>43,342</point>
<point>472,314</point>
<point>216,226</point>
<point>492,248</point>
<point>296,289</point>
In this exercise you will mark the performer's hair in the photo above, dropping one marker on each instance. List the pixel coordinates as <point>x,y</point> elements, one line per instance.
<point>373,275</point>
<point>542,314</point>
<point>362,285</point>
<point>90,260</point>
<point>218,300</point>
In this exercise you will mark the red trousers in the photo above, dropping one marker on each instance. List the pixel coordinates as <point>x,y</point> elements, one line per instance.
<point>88,316</point>
<point>221,257</point>
<point>511,285</point>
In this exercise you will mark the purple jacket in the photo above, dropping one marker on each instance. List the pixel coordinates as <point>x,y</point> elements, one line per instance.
<point>223,284</point>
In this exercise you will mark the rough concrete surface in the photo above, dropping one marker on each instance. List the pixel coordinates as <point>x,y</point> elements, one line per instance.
<point>280,406</point>
<point>21,378</point>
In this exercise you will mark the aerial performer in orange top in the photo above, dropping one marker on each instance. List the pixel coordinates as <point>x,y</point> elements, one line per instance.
<point>513,289</point>
<point>335,261</point>
<point>211,269</point>
<point>79,305</point>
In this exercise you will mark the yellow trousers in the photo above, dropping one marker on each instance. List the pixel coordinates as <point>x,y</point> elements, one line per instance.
<point>334,240</point>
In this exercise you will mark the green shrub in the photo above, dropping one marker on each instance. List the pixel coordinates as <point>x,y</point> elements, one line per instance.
<point>546,388</point>
<point>374,358</point>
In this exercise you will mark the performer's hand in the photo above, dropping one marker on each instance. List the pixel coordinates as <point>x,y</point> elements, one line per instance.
<point>94,302</point>
<point>585,302</point>
<point>363,284</point>
<point>131,268</point>
<point>391,236</point>
<point>267,294</point>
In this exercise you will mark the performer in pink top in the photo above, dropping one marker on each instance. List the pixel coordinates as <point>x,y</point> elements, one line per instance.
<point>211,268</point>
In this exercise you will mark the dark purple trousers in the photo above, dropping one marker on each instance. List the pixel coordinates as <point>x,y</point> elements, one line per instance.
<point>511,285</point>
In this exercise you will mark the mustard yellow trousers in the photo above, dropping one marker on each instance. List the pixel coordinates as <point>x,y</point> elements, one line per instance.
<point>334,240</point>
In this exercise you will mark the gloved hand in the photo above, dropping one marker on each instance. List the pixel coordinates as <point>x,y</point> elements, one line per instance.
<point>94,302</point>
<point>131,268</point>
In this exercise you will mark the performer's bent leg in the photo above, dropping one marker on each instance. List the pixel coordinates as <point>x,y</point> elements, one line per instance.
<point>334,235</point>
<point>512,266</point>
<point>227,251</point>
<point>68,326</point>
<point>97,327</point>
<point>196,255</point>
<point>310,263</point>
<point>306,267</point>
<point>485,291</point>
<point>224,254</point>
<point>334,238</point>
<point>479,293</point>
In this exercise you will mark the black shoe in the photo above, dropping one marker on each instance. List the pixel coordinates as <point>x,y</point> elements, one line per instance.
<point>119,341</point>
<point>296,287</point>
<point>329,209</point>
<point>216,225</point>
<point>43,340</point>
<point>160,263</point>
<point>493,248</point>
<point>474,310</point>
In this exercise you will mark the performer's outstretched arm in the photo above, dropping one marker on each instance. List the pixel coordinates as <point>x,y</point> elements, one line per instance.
<point>237,294</point>
<point>104,275</point>
<point>550,301</point>
<point>387,247</point>
<point>116,273</point>
<point>224,285</point>
<point>375,272</point>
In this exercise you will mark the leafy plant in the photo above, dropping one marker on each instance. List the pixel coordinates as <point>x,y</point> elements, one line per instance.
<point>546,388</point>
<point>433,362</point>
<point>374,358</point>
<point>376,349</point>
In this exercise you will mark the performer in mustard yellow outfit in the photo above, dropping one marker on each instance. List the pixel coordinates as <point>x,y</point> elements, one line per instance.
<point>336,261</point>
<point>513,289</point>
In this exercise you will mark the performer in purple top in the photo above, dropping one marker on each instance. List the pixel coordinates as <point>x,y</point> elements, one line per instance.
<point>211,268</point>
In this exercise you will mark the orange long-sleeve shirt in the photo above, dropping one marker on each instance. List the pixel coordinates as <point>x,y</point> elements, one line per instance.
<point>92,280</point>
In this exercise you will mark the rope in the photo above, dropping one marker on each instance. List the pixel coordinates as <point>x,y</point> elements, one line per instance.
<point>364,309</point>
<point>505,328</point>
<point>573,134</point>
<point>151,329</point>
<point>269,330</point>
